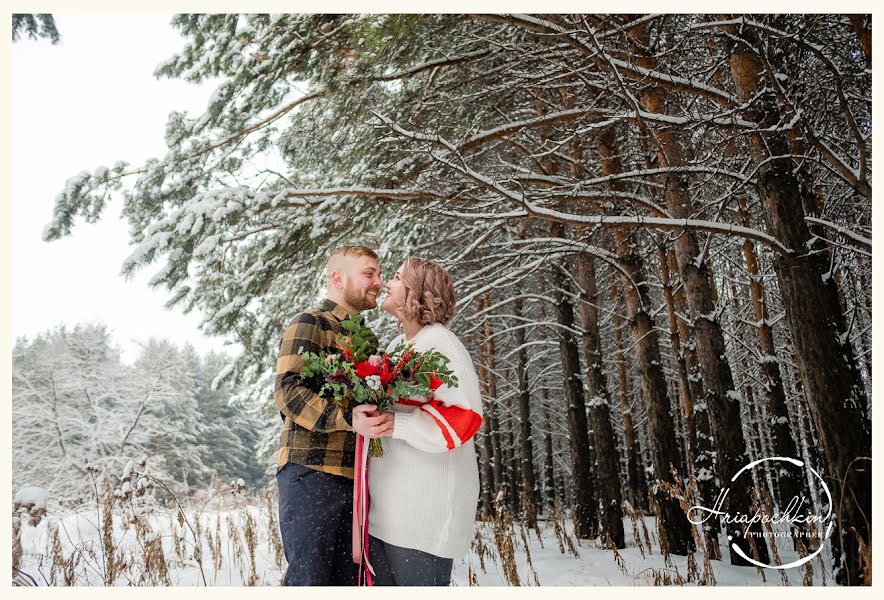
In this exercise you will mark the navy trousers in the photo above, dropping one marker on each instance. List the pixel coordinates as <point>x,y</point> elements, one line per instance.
<point>315,520</point>
<point>394,565</point>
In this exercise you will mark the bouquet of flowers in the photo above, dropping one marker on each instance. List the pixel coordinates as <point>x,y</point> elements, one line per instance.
<point>353,376</point>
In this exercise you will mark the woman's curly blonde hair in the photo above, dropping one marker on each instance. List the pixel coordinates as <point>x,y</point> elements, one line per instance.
<point>429,292</point>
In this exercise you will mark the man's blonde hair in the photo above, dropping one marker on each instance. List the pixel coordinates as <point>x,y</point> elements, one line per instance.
<point>354,251</point>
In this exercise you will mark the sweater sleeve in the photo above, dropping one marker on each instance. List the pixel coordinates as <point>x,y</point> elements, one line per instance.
<point>453,415</point>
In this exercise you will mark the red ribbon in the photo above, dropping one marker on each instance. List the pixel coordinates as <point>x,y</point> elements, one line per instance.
<point>360,511</point>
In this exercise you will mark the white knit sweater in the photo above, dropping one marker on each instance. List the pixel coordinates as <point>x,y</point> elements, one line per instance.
<point>424,490</point>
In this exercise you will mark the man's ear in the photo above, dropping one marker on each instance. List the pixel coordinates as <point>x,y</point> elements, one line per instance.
<point>336,278</point>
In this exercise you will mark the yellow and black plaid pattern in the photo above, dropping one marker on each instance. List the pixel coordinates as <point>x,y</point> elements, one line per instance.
<point>315,432</point>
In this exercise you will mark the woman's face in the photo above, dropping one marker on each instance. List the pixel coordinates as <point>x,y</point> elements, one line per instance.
<point>395,296</point>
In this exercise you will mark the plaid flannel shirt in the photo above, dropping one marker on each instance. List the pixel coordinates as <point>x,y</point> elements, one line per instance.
<point>316,433</point>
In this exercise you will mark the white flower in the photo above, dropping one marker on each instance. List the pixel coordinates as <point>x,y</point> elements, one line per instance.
<point>373,382</point>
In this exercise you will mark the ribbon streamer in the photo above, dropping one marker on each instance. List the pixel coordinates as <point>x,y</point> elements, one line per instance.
<point>360,511</point>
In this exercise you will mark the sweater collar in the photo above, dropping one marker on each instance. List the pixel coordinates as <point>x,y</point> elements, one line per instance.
<point>423,330</point>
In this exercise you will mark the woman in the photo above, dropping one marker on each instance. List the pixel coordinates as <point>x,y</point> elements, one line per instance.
<point>425,488</point>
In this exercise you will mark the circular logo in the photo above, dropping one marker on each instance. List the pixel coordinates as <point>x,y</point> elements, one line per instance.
<point>827,519</point>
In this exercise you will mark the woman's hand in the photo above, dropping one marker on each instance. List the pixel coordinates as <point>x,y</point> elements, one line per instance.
<point>370,423</point>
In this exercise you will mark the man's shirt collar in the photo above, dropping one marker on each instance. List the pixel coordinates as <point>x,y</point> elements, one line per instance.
<point>337,310</point>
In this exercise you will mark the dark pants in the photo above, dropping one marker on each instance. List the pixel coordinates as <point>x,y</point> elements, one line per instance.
<point>394,565</point>
<point>315,519</point>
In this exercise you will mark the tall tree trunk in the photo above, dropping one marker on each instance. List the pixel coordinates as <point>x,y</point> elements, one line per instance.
<point>790,483</point>
<point>722,398</point>
<point>497,463</point>
<point>637,485</point>
<point>684,391</point>
<point>489,489</point>
<point>549,471</point>
<point>529,484</point>
<point>674,525</point>
<point>512,468</point>
<point>510,454</point>
<point>835,396</point>
<point>708,485</point>
<point>699,455</point>
<point>585,515</point>
<point>585,519</point>
<point>862,25</point>
<point>607,473</point>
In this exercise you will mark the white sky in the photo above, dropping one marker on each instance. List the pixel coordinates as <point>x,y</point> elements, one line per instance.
<point>87,102</point>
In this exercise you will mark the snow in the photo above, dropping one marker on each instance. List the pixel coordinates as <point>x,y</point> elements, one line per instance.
<point>75,182</point>
<point>160,275</point>
<point>185,223</point>
<point>704,474</point>
<point>597,401</point>
<point>228,563</point>
<point>31,496</point>
<point>207,245</point>
<point>596,566</point>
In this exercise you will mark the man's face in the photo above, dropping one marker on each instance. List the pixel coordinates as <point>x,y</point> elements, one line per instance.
<point>361,277</point>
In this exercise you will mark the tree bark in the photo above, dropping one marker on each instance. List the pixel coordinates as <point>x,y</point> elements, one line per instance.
<point>529,484</point>
<point>585,515</point>
<point>512,460</point>
<point>549,471</point>
<point>497,464</point>
<point>789,483</point>
<point>722,397</point>
<point>585,519</point>
<point>700,450</point>
<point>489,488</point>
<point>664,448</point>
<point>684,391</point>
<point>862,25</point>
<point>637,486</point>
<point>708,485</point>
<point>835,396</point>
<point>607,473</point>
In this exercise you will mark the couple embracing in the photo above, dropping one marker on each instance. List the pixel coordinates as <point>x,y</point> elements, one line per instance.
<point>424,490</point>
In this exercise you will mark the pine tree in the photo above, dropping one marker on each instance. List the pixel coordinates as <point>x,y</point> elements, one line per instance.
<point>35,26</point>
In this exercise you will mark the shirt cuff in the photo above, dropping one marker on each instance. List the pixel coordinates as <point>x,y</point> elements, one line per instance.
<point>401,424</point>
<point>348,416</point>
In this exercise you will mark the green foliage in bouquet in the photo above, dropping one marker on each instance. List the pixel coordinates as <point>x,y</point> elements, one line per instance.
<point>353,376</point>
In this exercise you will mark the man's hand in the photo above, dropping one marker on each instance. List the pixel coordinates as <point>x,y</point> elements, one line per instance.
<point>370,423</point>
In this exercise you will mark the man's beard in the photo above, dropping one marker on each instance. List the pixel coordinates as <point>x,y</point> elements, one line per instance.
<point>359,299</point>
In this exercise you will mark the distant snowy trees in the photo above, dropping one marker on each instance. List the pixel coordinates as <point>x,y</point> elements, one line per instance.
<point>35,27</point>
<point>74,404</point>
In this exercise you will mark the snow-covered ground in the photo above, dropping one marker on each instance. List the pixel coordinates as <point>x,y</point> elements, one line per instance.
<point>224,549</point>
<point>598,566</point>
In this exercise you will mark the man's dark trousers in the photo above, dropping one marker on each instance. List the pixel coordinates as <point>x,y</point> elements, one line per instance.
<point>316,519</point>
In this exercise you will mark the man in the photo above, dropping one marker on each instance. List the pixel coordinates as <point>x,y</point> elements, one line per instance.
<point>317,447</point>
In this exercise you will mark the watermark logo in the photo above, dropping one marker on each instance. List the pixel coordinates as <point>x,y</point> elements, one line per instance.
<point>791,515</point>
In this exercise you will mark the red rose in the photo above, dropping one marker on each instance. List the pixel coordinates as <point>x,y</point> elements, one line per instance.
<point>364,369</point>
<point>384,373</point>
